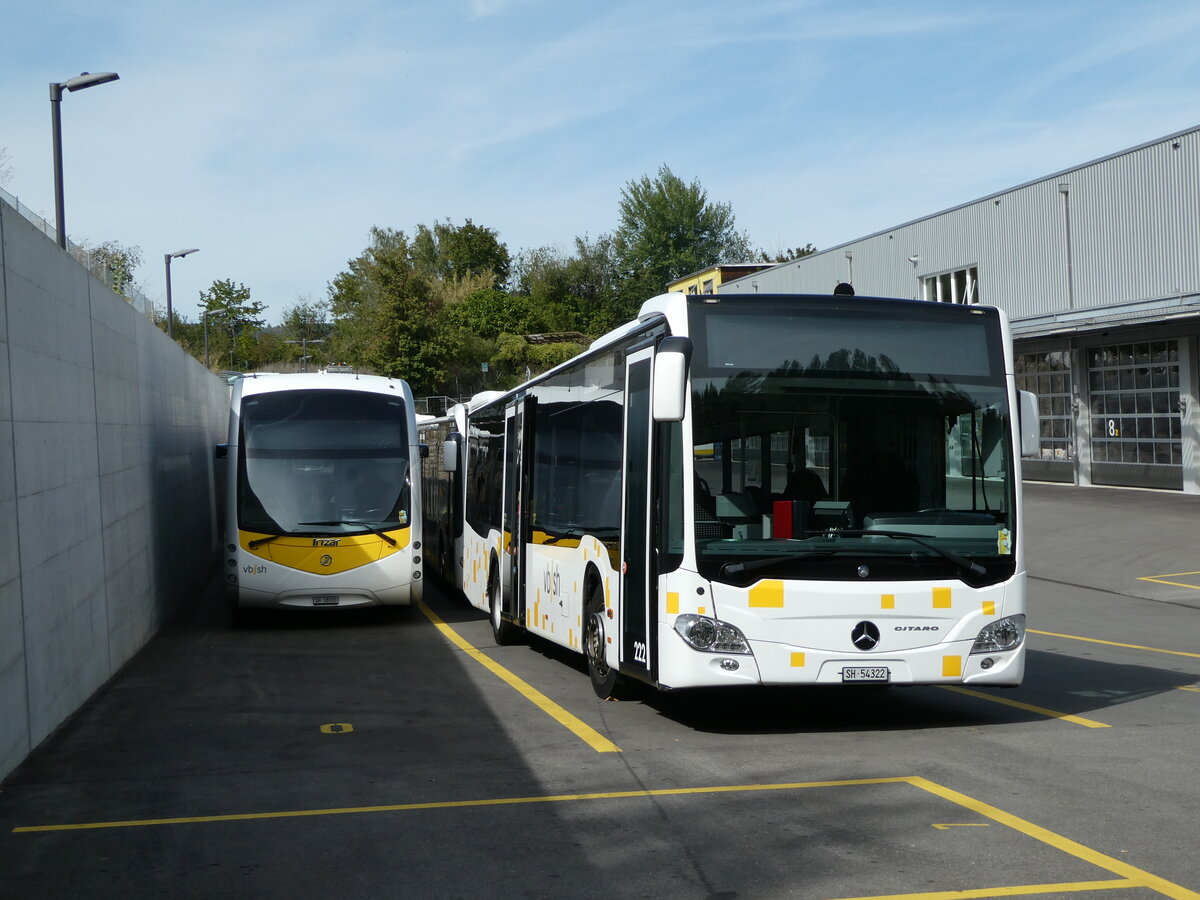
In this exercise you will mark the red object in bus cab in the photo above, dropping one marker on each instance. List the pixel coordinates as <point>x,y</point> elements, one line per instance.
<point>783,525</point>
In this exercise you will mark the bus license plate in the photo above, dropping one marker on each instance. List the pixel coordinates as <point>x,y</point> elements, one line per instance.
<point>865,673</point>
<point>326,600</point>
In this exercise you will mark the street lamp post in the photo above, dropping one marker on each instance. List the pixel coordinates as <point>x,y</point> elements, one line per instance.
<point>304,342</point>
<point>86,80</point>
<point>167,257</point>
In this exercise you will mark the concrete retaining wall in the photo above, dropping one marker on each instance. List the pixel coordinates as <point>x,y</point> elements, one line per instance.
<point>107,522</point>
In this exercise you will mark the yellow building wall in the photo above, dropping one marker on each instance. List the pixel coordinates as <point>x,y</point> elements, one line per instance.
<point>695,284</point>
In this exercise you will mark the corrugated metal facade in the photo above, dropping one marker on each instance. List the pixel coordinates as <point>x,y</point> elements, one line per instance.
<point>1098,267</point>
<point>1134,221</point>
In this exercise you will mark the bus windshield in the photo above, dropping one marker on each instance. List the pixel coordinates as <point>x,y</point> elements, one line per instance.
<point>322,462</point>
<point>850,439</point>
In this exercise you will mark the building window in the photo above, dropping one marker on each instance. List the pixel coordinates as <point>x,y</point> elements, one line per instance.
<point>959,286</point>
<point>708,286</point>
<point>1049,376</point>
<point>1134,396</point>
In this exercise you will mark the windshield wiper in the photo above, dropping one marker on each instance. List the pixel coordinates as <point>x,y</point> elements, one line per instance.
<point>375,530</point>
<point>258,542</point>
<point>923,539</point>
<point>737,568</point>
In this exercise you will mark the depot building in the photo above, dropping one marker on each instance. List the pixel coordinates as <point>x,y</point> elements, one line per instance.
<point>1098,269</point>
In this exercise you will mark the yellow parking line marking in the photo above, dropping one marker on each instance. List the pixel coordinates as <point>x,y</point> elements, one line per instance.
<point>1075,637</point>
<point>1024,890</point>
<point>461,804</point>
<point>1137,877</point>
<point>575,725</point>
<point>1161,579</point>
<point>1028,707</point>
<point>1131,876</point>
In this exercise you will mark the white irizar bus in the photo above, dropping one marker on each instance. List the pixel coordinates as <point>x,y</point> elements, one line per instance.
<point>323,502</point>
<point>755,489</point>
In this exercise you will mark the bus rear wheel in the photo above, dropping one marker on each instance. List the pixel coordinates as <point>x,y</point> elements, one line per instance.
<point>606,682</point>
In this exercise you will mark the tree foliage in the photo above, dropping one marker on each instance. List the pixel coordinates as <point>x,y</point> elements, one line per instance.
<point>447,251</point>
<point>234,322</point>
<point>669,229</point>
<point>118,262</point>
<point>787,254</point>
<point>386,313</point>
<point>303,331</point>
<point>446,308</point>
<point>578,292</point>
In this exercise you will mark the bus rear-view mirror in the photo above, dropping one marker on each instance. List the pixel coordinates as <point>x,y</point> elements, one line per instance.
<point>1031,438</point>
<point>671,379</point>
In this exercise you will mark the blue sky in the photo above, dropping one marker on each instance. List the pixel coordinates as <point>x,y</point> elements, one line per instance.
<point>274,135</point>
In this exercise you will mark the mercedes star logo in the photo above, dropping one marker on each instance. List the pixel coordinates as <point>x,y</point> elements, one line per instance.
<point>865,635</point>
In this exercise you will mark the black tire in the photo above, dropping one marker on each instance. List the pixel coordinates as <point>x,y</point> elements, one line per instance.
<point>504,631</point>
<point>606,681</point>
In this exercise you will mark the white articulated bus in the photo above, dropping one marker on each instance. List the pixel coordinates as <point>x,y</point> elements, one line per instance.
<point>442,492</point>
<point>323,501</point>
<point>756,489</point>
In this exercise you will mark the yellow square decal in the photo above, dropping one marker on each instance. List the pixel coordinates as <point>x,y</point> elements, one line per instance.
<point>941,598</point>
<point>951,666</point>
<point>672,603</point>
<point>767,594</point>
<point>797,660</point>
<point>989,607</point>
<point>888,601</point>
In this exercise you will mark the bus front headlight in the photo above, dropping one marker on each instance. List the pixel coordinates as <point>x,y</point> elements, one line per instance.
<point>711,635</point>
<point>1003,634</point>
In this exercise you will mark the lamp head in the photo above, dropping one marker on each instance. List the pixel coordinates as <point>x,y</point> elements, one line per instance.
<point>87,80</point>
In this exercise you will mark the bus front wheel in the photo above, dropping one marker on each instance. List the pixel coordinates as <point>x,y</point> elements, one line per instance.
<point>605,680</point>
<point>504,631</point>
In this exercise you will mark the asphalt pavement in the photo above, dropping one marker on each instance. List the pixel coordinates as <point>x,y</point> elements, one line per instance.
<point>361,753</point>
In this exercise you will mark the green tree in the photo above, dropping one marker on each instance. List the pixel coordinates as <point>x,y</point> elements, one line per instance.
<point>117,262</point>
<point>488,313</point>
<point>579,292</point>
<point>787,254</point>
<point>448,251</point>
<point>234,322</point>
<point>669,229</point>
<point>516,359</point>
<point>304,329</point>
<point>387,314</point>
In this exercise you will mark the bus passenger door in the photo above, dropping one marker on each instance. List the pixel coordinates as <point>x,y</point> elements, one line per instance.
<point>518,460</point>
<point>637,620</point>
